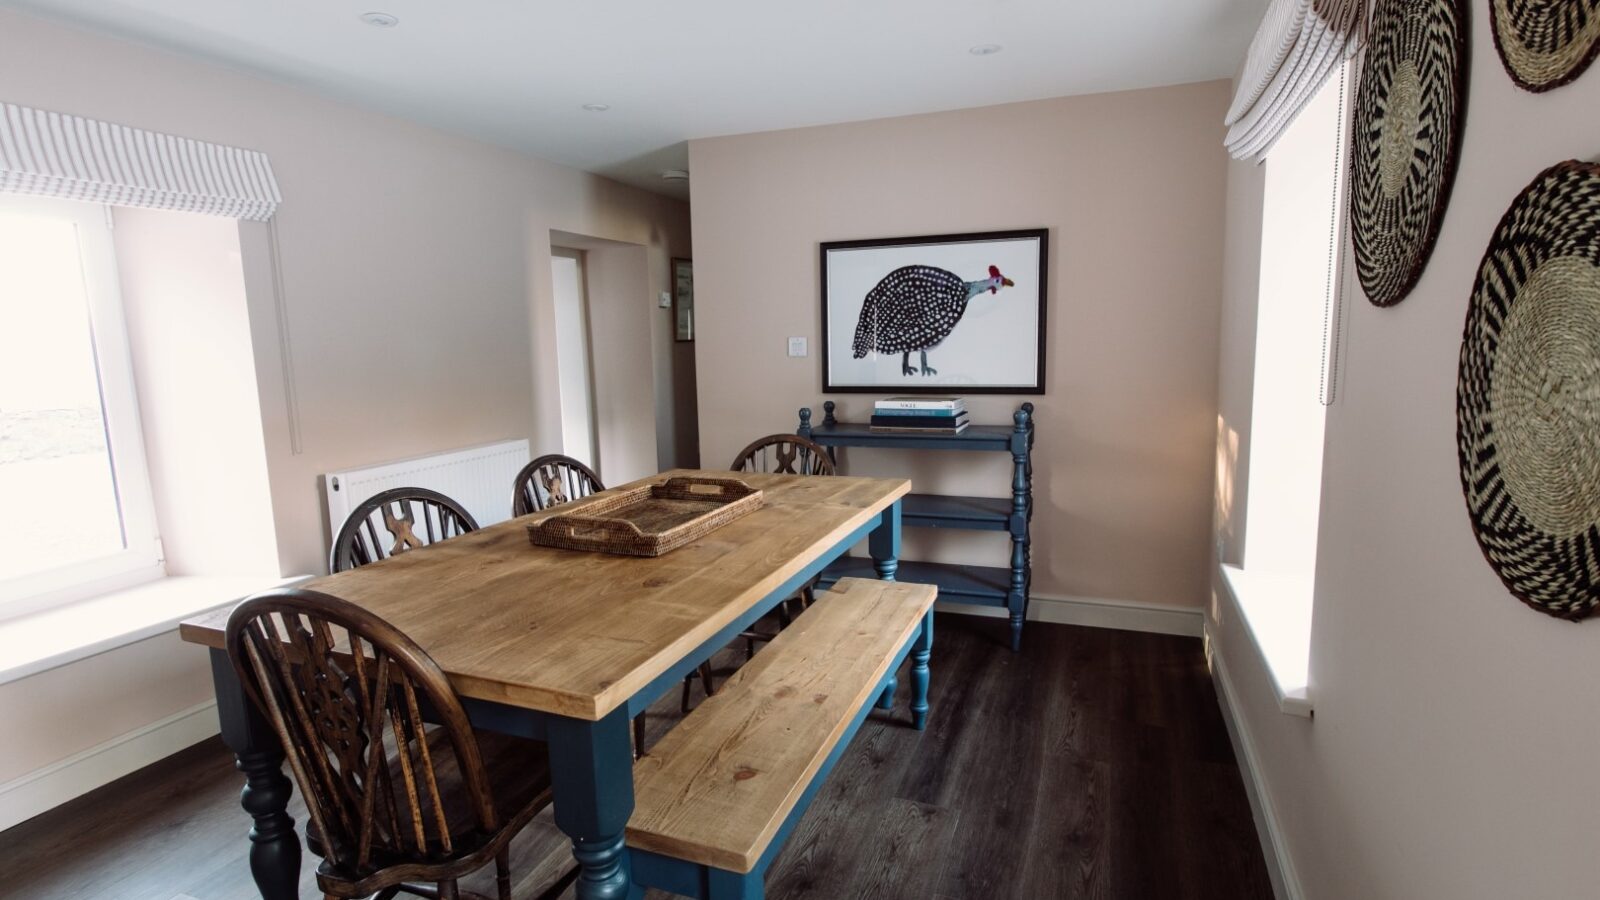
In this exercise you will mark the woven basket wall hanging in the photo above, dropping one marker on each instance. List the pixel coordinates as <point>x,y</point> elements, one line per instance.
<point>1546,43</point>
<point>1406,139</point>
<point>1528,395</point>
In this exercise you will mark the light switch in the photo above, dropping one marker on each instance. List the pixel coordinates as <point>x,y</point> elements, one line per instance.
<point>797,346</point>
<point>666,300</point>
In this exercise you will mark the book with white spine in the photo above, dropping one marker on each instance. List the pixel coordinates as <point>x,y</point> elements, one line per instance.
<point>901,429</point>
<point>922,403</point>
<point>918,413</point>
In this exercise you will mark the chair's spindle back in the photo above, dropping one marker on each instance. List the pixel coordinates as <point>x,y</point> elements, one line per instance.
<point>784,454</point>
<point>396,521</point>
<point>346,692</point>
<point>551,481</point>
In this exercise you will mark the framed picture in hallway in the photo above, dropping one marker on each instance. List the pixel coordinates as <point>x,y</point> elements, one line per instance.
<point>954,313</point>
<point>683,299</point>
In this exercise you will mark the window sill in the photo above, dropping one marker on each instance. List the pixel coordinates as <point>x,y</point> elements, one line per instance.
<point>1279,630</point>
<point>46,640</point>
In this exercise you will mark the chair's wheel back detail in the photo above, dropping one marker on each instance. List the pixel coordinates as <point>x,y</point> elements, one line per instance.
<point>551,481</point>
<point>389,523</point>
<point>391,799</point>
<point>784,454</point>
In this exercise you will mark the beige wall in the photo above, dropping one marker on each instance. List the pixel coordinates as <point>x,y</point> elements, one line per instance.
<point>417,311</point>
<point>1131,187</point>
<point>415,264</point>
<point>189,333</point>
<point>621,313</point>
<point>1449,754</point>
<point>54,714</point>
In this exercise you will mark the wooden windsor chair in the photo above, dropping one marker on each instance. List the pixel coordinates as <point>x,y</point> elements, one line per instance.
<point>395,803</point>
<point>782,454</point>
<point>552,480</point>
<point>402,512</point>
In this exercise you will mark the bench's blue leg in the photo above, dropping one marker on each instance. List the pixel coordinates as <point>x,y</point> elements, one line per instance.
<point>920,652</point>
<point>884,543</point>
<point>886,699</point>
<point>724,885</point>
<point>591,772</point>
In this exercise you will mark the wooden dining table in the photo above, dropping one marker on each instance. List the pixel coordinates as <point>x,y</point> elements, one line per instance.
<point>567,647</point>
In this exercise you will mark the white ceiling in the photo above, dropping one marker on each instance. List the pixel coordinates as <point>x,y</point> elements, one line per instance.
<point>517,72</point>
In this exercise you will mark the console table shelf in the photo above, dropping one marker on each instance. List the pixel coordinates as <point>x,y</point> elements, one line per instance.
<point>979,585</point>
<point>1002,586</point>
<point>851,434</point>
<point>973,513</point>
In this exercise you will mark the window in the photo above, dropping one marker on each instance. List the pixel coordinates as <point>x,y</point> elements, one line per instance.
<point>77,517</point>
<point>1296,331</point>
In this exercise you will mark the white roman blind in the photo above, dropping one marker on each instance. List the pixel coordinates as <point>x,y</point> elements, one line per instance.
<point>75,158</point>
<point>1299,44</point>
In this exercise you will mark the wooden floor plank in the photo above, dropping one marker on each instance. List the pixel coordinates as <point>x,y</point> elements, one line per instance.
<point>1070,843</point>
<point>1138,793</point>
<point>1071,825</point>
<point>905,857</point>
<point>997,790</point>
<point>815,861</point>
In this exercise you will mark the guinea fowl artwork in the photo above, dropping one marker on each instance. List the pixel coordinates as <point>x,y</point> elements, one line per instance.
<point>935,314</point>
<point>915,308</point>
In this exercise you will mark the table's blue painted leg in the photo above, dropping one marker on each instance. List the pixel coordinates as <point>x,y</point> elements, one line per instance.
<point>274,846</point>
<point>722,885</point>
<point>919,673</point>
<point>886,699</point>
<point>884,545</point>
<point>591,772</point>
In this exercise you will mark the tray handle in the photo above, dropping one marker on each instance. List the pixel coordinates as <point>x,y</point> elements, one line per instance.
<point>589,528</point>
<point>694,487</point>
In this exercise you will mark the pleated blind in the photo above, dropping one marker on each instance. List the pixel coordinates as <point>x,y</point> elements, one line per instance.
<point>81,159</point>
<point>1299,44</point>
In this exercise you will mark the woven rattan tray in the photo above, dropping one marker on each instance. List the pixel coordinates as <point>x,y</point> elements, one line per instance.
<point>651,519</point>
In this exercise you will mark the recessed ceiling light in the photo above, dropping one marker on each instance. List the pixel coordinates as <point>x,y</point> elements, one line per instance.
<point>674,175</point>
<point>985,49</point>
<point>380,19</point>
<point>595,107</point>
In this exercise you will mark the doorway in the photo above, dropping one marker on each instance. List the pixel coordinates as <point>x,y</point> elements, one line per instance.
<point>574,356</point>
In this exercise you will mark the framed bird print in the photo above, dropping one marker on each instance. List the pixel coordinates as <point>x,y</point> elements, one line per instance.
<point>935,315</point>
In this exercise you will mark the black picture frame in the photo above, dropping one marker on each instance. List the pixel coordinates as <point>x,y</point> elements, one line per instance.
<point>682,300</point>
<point>1039,283</point>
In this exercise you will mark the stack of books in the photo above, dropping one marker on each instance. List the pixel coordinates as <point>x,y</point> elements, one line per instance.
<point>921,415</point>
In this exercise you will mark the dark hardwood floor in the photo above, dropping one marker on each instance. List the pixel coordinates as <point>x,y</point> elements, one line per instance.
<point>1093,764</point>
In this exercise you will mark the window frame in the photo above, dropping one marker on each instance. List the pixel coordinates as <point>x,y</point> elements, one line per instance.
<point>141,559</point>
<point>1274,591</point>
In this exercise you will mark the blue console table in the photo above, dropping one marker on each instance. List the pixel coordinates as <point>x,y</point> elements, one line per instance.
<point>1002,586</point>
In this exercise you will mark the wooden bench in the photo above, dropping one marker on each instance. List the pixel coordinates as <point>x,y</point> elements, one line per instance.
<point>717,797</point>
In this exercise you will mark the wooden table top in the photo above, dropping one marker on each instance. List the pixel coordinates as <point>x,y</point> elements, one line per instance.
<point>577,634</point>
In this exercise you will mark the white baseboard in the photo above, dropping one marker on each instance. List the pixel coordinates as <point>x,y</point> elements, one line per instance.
<point>1125,615</point>
<point>1280,864</point>
<point>28,795</point>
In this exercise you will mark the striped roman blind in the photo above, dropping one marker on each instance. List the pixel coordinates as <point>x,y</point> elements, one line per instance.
<point>75,158</point>
<point>1299,44</point>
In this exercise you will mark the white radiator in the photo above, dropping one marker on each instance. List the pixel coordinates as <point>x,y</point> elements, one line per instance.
<point>479,478</point>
